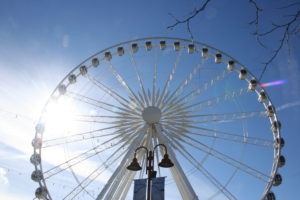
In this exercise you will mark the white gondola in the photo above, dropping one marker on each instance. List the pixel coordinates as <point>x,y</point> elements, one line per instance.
<point>37,175</point>
<point>134,47</point>
<point>36,143</point>
<point>162,45</point>
<point>281,161</point>
<point>41,193</point>
<point>243,74</point>
<point>191,48</point>
<point>252,84</point>
<point>95,62</point>
<point>72,78</point>
<point>270,196</point>
<point>120,51</point>
<point>270,111</point>
<point>218,58</point>
<point>280,142</point>
<point>62,89</point>
<point>277,180</point>
<point>176,46</point>
<point>83,70</point>
<point>35,159</point>
<point>107,56</point>
<point>204,52</point>
<point>148,45</point>
<point>262,97</point>
<point>231,65</point>
<point>276,125</point>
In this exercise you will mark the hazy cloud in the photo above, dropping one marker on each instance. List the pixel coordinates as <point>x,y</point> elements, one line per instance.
<point>65,42</point>
<point>288,105</point>
<point>3,177</point>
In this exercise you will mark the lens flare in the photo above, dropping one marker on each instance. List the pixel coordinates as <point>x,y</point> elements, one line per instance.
<point>280,82</point>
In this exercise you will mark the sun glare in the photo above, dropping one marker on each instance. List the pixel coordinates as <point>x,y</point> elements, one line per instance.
<point>59,116</point>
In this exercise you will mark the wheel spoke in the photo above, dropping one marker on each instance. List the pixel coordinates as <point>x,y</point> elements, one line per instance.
<point>168,82</point>
<point>85,155</point>
<point>199,167</point>
<point>178,91</point>
<point>196,107</point>
<point>134,64</point>
<point>217,116</point>
<point>107,117</point>
<point>224,136</point>
<point>105,106</point>
<point>94,175</point>
<point>112,93</point>
<point>181,119</point>
<point>198,91</point>
<point>98,133</point>
<point>154,94</point>
<point>223,157</point>
<point>124,84</point>
<point>125,121</point>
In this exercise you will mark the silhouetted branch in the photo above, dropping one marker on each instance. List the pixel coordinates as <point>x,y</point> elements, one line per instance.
<point>257,10</point>
<point>284,38</point>
<point>290,5</point>
<point>291,27</point>
<point>256,21</point>
<point>296,29</point>
<point>188,19</point>
<point>276,51</point>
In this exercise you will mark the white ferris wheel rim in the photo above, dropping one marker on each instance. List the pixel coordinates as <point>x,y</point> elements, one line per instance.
<point>152,114</point>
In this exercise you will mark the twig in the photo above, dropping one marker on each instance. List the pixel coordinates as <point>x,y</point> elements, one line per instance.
<point>290,5</point>
<point>189,30</point>
<point>276,51</point>
<point>285,37</point>
<point>257,10</point>
<point>296,29</point>
<point>256,21</point>
<point>188,19</point>
<point>290,28</point>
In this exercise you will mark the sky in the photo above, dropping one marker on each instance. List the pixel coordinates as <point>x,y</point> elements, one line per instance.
<point>42,41</point>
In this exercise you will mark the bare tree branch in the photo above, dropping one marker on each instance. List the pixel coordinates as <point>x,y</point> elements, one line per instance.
<point>188,19</point>
<point>284,38</point>
<point>290,5</point>
<point>257,10</point>
<point>290,28</point>
<point>256,22</point>
<point>296,29</point>
<point>276,51</point>
<point>189,30</point>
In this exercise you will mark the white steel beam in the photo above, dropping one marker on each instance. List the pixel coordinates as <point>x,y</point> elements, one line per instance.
<point>185,188</point>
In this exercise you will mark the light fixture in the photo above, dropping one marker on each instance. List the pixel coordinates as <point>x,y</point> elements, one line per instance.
<point>134,165</point>
<point>166,162</point>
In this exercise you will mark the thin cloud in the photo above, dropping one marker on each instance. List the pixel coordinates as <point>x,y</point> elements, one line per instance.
<point>288,105</point>
<point>3,177</point>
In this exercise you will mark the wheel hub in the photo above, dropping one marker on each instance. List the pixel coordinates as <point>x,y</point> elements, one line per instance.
<point>151,114</point>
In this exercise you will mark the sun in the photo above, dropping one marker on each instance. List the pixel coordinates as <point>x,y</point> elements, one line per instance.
<point>59,116</point>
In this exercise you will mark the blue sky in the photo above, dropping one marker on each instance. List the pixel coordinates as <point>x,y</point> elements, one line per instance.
<point>41,41</point>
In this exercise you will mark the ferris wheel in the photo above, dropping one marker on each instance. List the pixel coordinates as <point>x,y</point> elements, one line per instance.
<point>219,125</point>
